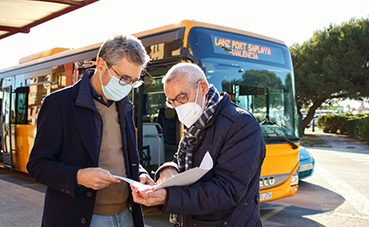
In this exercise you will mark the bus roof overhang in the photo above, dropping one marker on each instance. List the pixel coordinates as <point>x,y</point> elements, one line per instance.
<point>19,16</point>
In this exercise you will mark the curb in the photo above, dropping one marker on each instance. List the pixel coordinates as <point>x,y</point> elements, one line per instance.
<point>316,145</point>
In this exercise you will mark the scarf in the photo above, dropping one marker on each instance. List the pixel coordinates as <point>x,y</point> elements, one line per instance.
<point>189,139</point>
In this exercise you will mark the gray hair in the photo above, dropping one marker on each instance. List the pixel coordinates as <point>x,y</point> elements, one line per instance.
<point>191,73</point>
<point>114,49</point>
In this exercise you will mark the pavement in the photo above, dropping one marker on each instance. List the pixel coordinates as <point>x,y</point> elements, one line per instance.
<point>21,199</point>
<point>331,140</point>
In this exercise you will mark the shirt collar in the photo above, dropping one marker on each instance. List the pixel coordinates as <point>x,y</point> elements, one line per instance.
<point>100,98</point>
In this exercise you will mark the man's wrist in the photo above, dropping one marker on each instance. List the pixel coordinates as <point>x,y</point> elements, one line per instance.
<point>164,166</point>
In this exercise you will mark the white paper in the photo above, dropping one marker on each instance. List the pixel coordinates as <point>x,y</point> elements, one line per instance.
<point>182,179</point>
<point>134,183</point>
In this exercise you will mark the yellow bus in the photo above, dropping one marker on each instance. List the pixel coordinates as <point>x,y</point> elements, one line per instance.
<point>255,70</point>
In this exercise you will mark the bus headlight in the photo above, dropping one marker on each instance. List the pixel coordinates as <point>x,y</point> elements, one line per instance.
<point>295,179</point>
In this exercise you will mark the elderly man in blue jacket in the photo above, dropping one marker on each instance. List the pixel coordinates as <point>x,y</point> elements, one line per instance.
<point>85,134</point>
<point>229,193</point>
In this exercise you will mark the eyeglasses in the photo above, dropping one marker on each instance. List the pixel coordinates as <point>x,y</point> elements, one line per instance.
<point>181,98</point>
<point>125,80</point>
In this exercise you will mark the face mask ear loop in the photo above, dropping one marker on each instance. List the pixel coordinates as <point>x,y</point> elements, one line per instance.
<point>107,69</point>
<point>203,103</point>
<point>197,92</point>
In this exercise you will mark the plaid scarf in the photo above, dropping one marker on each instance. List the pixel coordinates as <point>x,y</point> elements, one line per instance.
<point>189,139</point>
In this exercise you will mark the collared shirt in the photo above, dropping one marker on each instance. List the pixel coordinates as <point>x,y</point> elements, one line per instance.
<point>100,98</point>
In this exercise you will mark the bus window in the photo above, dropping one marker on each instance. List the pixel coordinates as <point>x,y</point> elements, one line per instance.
<point>62,76</point>
<point>21,101</point>
<point>267,93</point>
<point>39,88</point>
<point>154,97</point>
<point>81,66</point>
<point>164,45</point>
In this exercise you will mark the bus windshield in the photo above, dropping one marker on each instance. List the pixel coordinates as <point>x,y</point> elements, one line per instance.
<point>267,93</point>
<point>257,74</point>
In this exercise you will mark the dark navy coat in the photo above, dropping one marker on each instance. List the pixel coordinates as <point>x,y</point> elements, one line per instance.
<point>68,138</point>
<point>228,195</point>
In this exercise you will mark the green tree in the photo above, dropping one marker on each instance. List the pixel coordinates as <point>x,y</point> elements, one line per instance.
<point>333,64</point>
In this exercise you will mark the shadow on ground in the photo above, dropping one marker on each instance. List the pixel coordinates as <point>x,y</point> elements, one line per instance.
<point>22,179</point>
<point>292,211</point>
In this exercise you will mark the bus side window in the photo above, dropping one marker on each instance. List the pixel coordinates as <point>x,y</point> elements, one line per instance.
<point>21,104</point>
<point>39,88</point>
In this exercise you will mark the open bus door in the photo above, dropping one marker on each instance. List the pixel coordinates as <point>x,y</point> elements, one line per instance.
<point>6,129</point>
<point>158,128</point>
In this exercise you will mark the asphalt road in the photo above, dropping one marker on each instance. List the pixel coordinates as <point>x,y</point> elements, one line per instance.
<point>337,194</point>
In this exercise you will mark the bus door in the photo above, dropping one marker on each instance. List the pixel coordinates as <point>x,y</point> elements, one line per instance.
<point>6,129</point>
<point>158,128</point>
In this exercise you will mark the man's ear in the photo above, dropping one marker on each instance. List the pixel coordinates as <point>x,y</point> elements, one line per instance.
<point>204,87</point>
<point>100,65</point>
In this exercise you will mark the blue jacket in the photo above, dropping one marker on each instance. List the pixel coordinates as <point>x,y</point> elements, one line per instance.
<point>69,130</point>
<point>229,193</point>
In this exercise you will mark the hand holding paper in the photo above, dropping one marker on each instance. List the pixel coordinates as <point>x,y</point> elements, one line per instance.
<point>190,176</point>
<point>155,195</point>
<point>182,179</point>
<point>166,173</point>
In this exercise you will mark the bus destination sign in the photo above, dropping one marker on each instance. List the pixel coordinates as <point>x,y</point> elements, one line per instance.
<point>242,49</point>
<point>246,49</point>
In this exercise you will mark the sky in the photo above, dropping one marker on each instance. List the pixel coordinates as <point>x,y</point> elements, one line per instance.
<point>292,21</point>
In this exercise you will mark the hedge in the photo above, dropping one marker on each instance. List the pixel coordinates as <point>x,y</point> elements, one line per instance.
<point>355,125</point>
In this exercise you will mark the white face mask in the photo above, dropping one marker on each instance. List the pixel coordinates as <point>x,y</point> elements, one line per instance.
<point>190,112</point>
<point>113,90</point>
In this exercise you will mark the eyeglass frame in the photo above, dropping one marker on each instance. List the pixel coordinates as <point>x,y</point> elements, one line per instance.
<point>135,82</point>
<point>169,102</point>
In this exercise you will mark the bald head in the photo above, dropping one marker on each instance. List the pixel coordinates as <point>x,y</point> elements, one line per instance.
<point>187,73</point>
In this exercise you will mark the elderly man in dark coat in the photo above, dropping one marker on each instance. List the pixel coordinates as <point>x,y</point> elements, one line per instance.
<point>228,195</point>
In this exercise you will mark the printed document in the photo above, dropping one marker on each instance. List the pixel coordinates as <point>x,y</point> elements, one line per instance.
<point>182,179</point>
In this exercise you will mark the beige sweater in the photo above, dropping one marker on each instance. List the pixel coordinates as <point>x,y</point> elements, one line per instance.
<point>112,199</point>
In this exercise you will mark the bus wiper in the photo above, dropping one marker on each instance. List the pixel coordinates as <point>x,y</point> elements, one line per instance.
<point>267,121</point>
<point>294,146</point>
